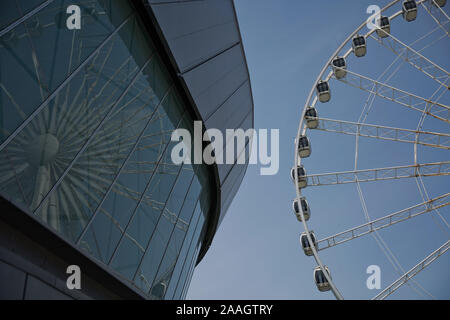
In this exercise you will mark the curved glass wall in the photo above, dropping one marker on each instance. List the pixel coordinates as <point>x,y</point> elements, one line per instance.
<point>86,118</point>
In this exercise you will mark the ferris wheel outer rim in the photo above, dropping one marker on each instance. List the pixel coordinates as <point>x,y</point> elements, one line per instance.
<point>302,130</point>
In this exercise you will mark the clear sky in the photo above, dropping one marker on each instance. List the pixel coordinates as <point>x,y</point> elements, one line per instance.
<point>256,252</point>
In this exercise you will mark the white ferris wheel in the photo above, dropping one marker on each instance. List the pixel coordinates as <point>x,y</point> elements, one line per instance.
<point>399,114</point>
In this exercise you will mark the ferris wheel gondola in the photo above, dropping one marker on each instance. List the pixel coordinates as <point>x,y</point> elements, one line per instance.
<point>384,27</point>
<point>306,246</point>
<point>304,207</point>
<point>409,10</point>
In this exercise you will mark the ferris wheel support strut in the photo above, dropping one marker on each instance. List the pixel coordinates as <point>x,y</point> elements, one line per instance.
<point>384,222</point>
<point>440,17</point>
<point>425,138</point>
<point>401,97</point>
<point>413,272</point>
<point>414,58</point>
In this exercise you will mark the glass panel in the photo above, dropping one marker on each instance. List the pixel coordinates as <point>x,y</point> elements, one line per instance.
<point>191,271</point>
<point>38,54</point>
<point>139,206</point>
<point>129,255</point>
<point>304,206</point>
<point>166,223</point>
<point>147,214</point>
<point>12,10</point>
<point>189,259</point>
<point>181,261</point>
<point>43,150</point>
<point>169,261</point>
<point>123,198</point>
<point>303,241</point>
<point>409,5</point>
<point>153,202</point>
<point>311,112</point>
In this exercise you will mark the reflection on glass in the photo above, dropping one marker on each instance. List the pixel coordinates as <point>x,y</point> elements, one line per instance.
<point>86,118</point>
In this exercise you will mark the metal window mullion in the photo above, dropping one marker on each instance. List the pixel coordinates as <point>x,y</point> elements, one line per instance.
<point>188,250</point>
<point>123,165</point>
<point>159,219</point>
<point>189,276</point>
<point>197,202</point>
<point>142,197</point>
<point>94,133</point>
<point>25,17</point>
<point>171,233</point>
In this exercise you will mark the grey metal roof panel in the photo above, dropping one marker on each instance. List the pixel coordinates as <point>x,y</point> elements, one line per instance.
<point>224,169</point>
<point>197,30</point>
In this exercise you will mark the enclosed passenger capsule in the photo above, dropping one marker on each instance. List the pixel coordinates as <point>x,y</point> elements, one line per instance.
<point>320,279</point>
<point>303,206</point>
<point>311,118</point>
<point>440,3</point>
<point>305,243</point>
<point>339,67</point>
<point>409,10</point>
<point>359,46</point>
<point>323,91</point>
<point>304,147</point>
<point>302,180</point>
<point>384,27</point>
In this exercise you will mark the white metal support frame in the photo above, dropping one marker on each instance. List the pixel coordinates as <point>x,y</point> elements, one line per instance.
<point>413,272</point>
<point>425,138</point>
<point>297,159</point>
<point>402,97</point>
<point>414,58</point>
<point>437,14</point>
<point>378,174</point>
<point>384,222</point>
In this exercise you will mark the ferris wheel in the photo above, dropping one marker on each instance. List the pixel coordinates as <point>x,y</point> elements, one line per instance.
<point>415,116</point>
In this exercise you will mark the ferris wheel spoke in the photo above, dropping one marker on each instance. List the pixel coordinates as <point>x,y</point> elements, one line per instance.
<point>13,101</point>
<point>378,174</point>
<point>170,216</point>
<point>97,182</point>
<point>29,14</point>
<point>431,139</point>
<point>112,133</point>
<point>412,101</point>
<point>157,205</point>
<point>70,204</point>
<point>413,272</point>
<point>109,82</point>
<point>76,132</point>
<point>152,145</point>
<point>85,105</point>
<point>91,137</point>
<point>159,133</point>
<point>438,15</point>
<point>62,85</point>
<point>415,59</point>
<point>384,222</point>
<point>136,242</point>
<point>174,219</point>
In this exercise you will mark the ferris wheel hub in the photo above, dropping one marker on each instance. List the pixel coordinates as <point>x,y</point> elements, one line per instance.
<point>42,150</point>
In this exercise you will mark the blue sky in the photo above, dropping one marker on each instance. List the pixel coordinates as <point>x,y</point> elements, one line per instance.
<point>256,252</point>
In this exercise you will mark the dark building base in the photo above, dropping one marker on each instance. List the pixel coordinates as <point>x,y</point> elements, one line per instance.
<point>34,260</point>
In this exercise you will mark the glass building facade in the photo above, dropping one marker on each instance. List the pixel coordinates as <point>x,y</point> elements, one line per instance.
<point>86,118</point>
